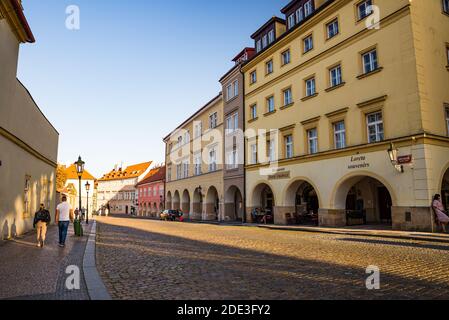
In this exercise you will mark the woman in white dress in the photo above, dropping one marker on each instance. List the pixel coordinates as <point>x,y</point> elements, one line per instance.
<point>438,207</point>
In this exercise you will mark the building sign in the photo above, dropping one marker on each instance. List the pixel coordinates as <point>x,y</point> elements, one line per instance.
<point>358,162</point>
<point>405,159</point>
<point>280,175</point>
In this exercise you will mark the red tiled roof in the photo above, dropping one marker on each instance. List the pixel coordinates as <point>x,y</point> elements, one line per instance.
<point>157,174</point>
<point>133,171</point>
<point>72,175</point>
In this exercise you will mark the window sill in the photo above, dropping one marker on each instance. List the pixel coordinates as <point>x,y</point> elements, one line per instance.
<point>287,106</point>
<point>309,97</point>
<point>335,87</point>
<point>232,99</point>
<point>362,76</point>
<point>253,120</point>
<point>269,113</point>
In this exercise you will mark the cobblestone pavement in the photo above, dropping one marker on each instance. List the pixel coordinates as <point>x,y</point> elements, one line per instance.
<point>143,259</point>
<point>30,273</point>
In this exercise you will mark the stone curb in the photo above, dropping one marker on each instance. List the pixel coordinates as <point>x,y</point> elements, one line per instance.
<point>375,234</point>
<point>95,286</point>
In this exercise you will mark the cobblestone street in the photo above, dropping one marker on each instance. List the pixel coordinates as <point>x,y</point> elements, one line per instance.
<point>143,259</point>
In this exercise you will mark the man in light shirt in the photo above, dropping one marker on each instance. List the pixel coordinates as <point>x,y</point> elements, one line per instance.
<point>64,215</point>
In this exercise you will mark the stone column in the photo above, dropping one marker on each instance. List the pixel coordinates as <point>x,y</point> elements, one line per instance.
<point>332,217</point>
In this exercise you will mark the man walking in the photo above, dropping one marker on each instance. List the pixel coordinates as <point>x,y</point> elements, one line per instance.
<point>42,219</point>
<point>64,215</point>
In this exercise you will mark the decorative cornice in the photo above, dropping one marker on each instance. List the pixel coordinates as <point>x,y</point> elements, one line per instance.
<point>337,112</point>
<point>13,12</point>
<point>372,101</point>
<point>20,143</point>
<point>312,120</point>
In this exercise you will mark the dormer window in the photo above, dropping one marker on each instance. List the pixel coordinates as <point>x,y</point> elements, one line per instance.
<point>299,15</point>
<point>264,41</point>
<point>259,45</point>
<point>291,21</point>
<point>271,37</point>
<point>308,8</point>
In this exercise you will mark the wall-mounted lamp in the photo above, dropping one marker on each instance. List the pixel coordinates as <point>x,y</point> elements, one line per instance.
<point>393,154</point>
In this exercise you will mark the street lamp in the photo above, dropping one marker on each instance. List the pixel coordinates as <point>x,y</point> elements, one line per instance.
<point>87,211</point>
<point>393,154</point>
<point>79,170</point>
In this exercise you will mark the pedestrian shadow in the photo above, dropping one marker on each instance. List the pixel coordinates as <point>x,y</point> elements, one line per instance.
<point>160,266</point>
<point>399,244</point>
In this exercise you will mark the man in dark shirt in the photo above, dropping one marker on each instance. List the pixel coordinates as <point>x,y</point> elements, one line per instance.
<point>42,219</point>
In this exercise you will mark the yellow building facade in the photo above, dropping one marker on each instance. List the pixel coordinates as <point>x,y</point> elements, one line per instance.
<point>337,91</point>
<point>28,141</point>
<point>194,164</point>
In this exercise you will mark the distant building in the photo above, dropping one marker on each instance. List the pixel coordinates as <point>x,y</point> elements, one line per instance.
<point>151,193</point>
<point>73,181</point>
<point>117,189</point>
<point>28,141</point>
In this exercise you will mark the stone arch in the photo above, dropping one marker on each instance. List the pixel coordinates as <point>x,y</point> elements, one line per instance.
<point>176,201</point>
<point>443,188</point>
<point>212,204</point>
<point>169,201</point>
<point>185,202</point>
<point>197,205</point>
<point>342,187</point>
<point>234,206</point>
<point>292,188</point>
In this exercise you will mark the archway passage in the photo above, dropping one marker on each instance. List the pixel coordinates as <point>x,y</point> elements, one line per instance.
<point>169,202</point>
<point>304,202</point>
<point>185,207</point>
<point>212,204</point>
<point>176,201</point>
<point>263,204</point>
<point>445,190</point>
<point>234,208</point>
<point>366,201</point>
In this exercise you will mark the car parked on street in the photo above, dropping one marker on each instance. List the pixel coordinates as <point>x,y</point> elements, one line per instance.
<point>172,215</point>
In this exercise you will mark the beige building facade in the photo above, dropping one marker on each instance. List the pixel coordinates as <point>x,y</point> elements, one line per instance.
<point>28,141</point>
<point>194,164</point>
<point>345,83</point>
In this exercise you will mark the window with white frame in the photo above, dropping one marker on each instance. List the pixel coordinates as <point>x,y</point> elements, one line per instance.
<point>185,169</point>
<point>271,150</point>
<point>236,88</point>
<point>232,123</point>
<point>254,153</point>
<point>161,190</point>
<point>291,21</point>
<point>187,137</point>
<point>213,120</point>
<point>154,192</point>
<point>229,92</point>
<point>335,76</point>
<point>271,37</point>
<point>340,135</point>
<point>197,164</point>
<point>288,99</point>
<point>447,118</point>
<point>270,104</point>
<point>312,137</point>
<point>259,45</point>
<point>253,77</point>
<point>179,142</point>
<point>169,173</point>
<point>286,57</point>
<point>179,171</point>
<point>198,129</point>
<point>364,9</point>
<point>288,146</point>
<point>212,160</point>
<point>332,29</point>
<point>308,43</point>
<point>375,127</point>
<point>308,8</point>
<point>299,15</point>
<point>310,87</point>
<point>446,6</point>
<point>370,63</point>
<point>264,41</point>
<point>232,161</point>
<point>253,112</point>
<point>269,67</point>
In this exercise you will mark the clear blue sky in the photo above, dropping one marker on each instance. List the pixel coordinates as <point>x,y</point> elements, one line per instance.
<point>134,71</point>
